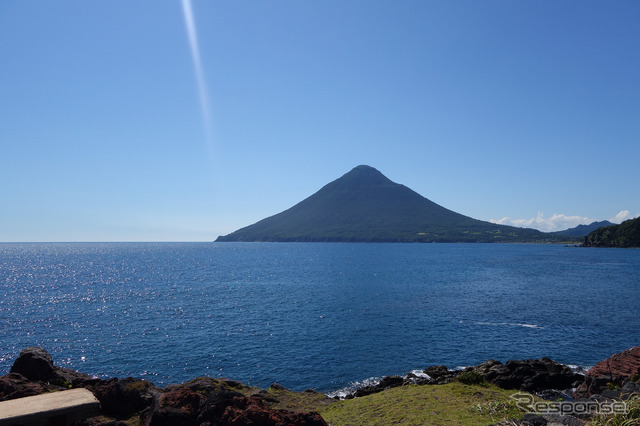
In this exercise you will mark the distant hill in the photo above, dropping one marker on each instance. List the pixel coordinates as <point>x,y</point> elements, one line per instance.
<point>627,234</point>
<point>365,206</point>
<point>584,230</point>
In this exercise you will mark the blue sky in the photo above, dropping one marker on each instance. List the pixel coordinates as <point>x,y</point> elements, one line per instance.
<point>526,110</point>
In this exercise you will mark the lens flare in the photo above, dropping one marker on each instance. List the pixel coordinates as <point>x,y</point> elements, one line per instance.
<point>192,36</point>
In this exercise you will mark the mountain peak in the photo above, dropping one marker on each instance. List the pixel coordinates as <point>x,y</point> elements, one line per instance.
<point>364,205</point>
<point>364,175</point>
<point>365,168</point>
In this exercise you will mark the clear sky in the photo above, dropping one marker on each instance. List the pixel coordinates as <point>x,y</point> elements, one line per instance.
<point>127,121</point>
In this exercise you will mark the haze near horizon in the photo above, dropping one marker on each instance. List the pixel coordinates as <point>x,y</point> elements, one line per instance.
<point>185,120</point>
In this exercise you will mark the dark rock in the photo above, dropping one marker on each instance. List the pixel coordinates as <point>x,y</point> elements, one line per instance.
<point>203,400</point>
<point>216,404</point>
<point>232,383</point>
<point>387,382</point>
<point>441,375</point>
<point>231,408</point>
<point>125,397</point>
<point>73,378</point>
<point>611,393</point>
<point>276,386</point>
<point>558,419</point>
<point>204,385</point>
<point>14,385</point>
<point>556,395</point>
<point>413,379</point>
<point>366,390</point>
<point>630,388</point>
<point>35,364</point>
<point>487,367</point>
<point>391,381</point>
<point>270,400</point>
<point>436,371</point>
<point>531,419</point>
<point>183,406</point>
<point>613,372</point>
<point>177,407</point>
<point>532,375</point>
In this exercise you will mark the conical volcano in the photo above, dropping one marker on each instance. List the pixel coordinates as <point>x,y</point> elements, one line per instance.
<point>365,206</point>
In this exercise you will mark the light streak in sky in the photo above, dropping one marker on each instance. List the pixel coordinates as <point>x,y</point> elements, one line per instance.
<point>197,64</point>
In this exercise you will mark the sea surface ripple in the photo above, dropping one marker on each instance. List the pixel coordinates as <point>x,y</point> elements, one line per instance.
<point>312,315</point>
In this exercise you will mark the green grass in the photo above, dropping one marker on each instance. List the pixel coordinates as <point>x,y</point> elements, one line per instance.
<point>302,402</point>
<point>471,378</point>
<point>630,418</point>
<point>455,403</point>
<point>451,404</point>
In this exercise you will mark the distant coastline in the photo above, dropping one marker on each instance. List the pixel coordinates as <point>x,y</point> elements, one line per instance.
<point>625,235</point>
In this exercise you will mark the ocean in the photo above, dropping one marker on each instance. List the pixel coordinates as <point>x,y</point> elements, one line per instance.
<point>312,315</point>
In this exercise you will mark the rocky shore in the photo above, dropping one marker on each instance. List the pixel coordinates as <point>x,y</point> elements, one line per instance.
<point>533,375</point>
<point>209,401</point>
<point>202,401</point>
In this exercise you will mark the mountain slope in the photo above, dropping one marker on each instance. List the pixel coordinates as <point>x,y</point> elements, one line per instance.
<point>584,230</point>
<point>626,235</point>
<point>365,206</point>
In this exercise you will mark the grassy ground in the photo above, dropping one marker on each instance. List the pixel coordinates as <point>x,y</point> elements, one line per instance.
<point>451,404</point>
<point>297,401</point>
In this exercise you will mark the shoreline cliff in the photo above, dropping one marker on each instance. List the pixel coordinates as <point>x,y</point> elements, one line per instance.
<point>209,401</point>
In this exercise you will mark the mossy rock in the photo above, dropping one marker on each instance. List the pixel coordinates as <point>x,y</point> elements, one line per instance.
<point>471,378</point>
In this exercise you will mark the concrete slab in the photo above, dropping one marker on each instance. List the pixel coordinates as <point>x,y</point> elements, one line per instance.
<point>54,407</point>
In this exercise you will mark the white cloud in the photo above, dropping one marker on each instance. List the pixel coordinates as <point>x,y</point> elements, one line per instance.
<point>622,216</point>
<point>557,222</point>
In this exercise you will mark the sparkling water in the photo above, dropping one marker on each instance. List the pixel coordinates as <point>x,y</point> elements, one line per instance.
<point>312,315</point>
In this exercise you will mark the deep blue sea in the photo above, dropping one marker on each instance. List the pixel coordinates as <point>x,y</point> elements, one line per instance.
<point>317,315</point>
